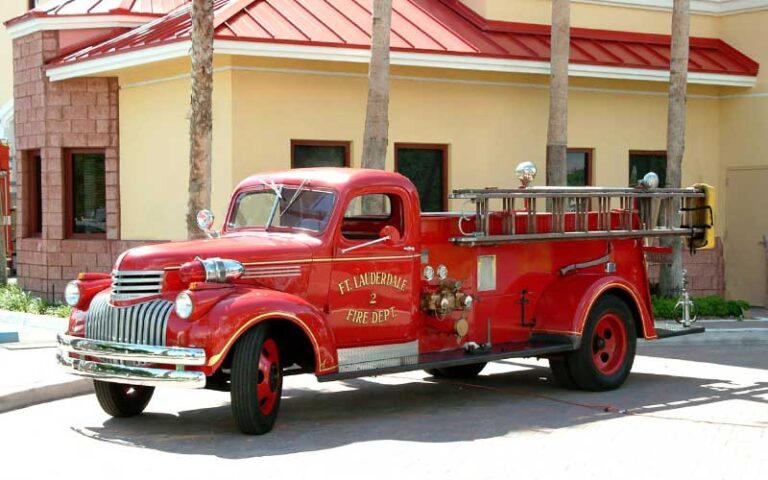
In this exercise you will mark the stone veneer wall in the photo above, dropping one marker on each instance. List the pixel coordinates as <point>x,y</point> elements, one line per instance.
<point>706,271</point>
<point>53,117</point>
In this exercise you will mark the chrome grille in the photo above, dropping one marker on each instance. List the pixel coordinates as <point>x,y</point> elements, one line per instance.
<point>129,285</point>
<point>143,324</point>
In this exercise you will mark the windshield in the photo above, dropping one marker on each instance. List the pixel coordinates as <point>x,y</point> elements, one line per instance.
<point>286,206</point>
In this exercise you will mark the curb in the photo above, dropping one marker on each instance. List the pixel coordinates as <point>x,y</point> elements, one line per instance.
<point>44,394</point>
<point>716,336</point>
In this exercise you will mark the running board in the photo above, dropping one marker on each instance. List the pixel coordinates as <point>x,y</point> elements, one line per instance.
<point>669,332</point>
<point>454,358</point>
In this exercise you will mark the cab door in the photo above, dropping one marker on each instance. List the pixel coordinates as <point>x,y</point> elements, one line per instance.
<point>372,298</point>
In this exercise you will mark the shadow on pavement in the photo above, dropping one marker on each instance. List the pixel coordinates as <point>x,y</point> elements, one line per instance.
<point>420,411</point>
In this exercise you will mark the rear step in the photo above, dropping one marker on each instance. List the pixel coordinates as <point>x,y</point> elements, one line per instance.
<point>678,332</point>
<point>455,358</point>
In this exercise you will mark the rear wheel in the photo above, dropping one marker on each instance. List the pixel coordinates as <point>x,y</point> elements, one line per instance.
<point>561,374</point>
<point>121,400</point>
<point>256,381</point>
<point>607,351</point>
<point>461,371</point>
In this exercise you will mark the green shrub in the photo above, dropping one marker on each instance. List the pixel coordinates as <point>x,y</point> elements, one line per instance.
<point>17,300</point>
<point>712,306</point>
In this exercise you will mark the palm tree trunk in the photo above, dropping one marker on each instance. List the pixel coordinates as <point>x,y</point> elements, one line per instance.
<point>671,275</point>
<point>557,131</point>
<point>201,116</point>
<point>375,137</point>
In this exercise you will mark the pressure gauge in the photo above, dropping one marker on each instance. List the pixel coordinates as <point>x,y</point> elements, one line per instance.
<point>442,272</point>
<point>429,273</point>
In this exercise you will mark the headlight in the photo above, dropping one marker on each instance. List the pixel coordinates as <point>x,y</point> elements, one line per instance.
<point>72,294</point>
<point>184,305</point>
<point>442,272</point>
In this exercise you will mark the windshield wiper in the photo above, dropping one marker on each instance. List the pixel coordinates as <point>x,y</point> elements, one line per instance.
<point>278,197</point>
<point>295,196</point>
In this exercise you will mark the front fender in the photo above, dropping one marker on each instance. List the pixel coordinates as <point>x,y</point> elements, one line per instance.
<point>565,304</point>
<point>236,314</point>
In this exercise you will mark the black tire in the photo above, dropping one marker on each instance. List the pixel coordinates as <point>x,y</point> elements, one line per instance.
<point>256,381</point>
<point>461,371</point>
<point>561,374</point>
<point>121,400</point>
<point>593,367</point>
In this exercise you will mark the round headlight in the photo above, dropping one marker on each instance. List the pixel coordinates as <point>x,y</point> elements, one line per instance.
<point>429,273</point>
<point>72,293</point>
<point>442,272</point>
<point>184,305</point>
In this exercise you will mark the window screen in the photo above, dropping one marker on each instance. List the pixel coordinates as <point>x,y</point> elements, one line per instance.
<point>89,212</point>
<point>642,163</point>
<point>578,168</point>
<point>328,154</point>
<point>425,167</point>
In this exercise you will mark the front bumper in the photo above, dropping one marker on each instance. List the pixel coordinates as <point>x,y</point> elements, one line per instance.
<point>117,372</point>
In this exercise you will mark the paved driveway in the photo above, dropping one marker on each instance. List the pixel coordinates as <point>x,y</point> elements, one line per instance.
<point>686,412</point>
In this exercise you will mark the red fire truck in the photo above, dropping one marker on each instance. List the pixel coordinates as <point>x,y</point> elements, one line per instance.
<point>336,272</point>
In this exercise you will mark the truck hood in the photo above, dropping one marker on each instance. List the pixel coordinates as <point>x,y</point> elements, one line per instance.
<point>244,247</point>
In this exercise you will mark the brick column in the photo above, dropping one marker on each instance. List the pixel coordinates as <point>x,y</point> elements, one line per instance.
<point>53,117</point>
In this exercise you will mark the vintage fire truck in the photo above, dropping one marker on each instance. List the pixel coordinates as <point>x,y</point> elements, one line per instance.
<point>336,272</point>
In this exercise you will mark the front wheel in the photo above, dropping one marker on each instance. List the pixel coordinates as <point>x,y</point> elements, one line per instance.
<point>121,400</point>
<point>256,381</point>
<point>607,351</point>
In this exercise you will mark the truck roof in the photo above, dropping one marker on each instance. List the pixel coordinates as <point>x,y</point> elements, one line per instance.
<point>337,178</point>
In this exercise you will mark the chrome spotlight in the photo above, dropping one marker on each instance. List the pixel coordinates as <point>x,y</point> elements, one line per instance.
<point>526,173</point>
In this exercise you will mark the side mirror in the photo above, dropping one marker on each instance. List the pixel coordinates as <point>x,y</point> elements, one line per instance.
<point>392,233</point>
<point>205,220</point>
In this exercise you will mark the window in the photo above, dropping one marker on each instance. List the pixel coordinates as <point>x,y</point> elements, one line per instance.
<point>367,215</point>
<point>86,194</point>
<point>319,153</point>
<point>579,167</point>
<point>641,163</point>
<point>293,209</point>
<point>33,193</point>
<point>427,167</point>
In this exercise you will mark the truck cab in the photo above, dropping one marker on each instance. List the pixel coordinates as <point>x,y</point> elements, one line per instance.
<point>336,272</point>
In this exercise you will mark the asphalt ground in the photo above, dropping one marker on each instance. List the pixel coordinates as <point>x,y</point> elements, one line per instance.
<point>687,411</point>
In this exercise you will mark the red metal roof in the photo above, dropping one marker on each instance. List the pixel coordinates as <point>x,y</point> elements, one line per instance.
<point>419,26</point>
<point>59,8</point>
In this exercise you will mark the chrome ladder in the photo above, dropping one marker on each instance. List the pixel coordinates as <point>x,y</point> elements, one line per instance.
<point>641,202</point>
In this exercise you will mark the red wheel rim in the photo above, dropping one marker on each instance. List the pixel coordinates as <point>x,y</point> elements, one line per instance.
<point>609,344</point>
<point>268,381</point>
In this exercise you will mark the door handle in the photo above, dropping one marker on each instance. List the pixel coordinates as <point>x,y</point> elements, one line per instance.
<point>409,249</point>
<point>764,241</point>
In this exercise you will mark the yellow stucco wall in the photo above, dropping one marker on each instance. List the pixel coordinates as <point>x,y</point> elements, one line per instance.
<point>609,17</point>
<point>490,121</point>
<point>743,130</point>
<point>154,155</point>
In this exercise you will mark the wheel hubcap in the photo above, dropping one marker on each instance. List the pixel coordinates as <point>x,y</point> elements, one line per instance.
<point>609,344</point>
<point>268,381</point>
